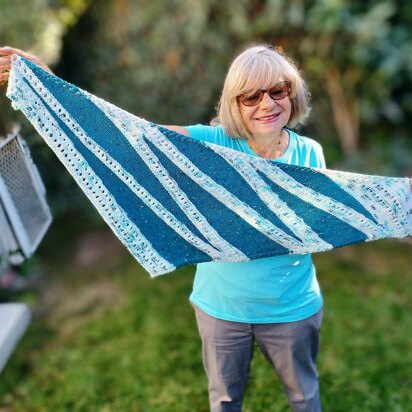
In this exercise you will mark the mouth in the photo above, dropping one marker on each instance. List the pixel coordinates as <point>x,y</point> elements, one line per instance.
<point>268,118</point>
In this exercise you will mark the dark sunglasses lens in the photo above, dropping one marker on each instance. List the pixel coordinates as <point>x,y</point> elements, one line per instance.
<point>252,100</point>
<point>279,91</point>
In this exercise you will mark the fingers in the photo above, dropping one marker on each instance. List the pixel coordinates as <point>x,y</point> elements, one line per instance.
<point>5,60</point>
<point>5,64</point>
<point>5,67</point>
<point>9,51</point>
<point>11,54</point>
<point>4,77</point>
<point>5,51</point>
<point>7,54</point>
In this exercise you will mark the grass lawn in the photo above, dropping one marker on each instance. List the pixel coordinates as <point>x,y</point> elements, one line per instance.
<point>108,338</point>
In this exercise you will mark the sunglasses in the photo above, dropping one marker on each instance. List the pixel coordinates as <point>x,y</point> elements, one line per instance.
<point>278,92</point>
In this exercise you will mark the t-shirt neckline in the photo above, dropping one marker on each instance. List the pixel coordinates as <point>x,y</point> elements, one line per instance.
<point>285,154</point>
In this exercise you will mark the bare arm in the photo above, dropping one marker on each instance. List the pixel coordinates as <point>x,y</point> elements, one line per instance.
<point>177,129</point>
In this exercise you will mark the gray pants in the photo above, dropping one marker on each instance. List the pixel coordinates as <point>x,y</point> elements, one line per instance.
<point>291,348</point>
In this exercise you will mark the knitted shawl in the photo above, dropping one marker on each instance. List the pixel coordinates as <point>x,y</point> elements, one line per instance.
<point>174,201</point>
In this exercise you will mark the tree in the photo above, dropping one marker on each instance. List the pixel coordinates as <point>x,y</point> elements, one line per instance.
<point>359,52</point>
<point>37,26</point>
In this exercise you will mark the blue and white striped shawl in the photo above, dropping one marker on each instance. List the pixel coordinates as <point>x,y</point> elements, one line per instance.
<point>174,201</point>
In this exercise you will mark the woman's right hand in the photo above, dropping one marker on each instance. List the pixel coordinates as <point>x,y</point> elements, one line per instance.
<point>7,55</point>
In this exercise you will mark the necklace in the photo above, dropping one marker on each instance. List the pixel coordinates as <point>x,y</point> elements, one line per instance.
<point>279,147</point>
<point>272,150</point>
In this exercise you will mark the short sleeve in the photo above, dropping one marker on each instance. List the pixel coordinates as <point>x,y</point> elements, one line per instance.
<point>316,156</point>
<point>321,157</point>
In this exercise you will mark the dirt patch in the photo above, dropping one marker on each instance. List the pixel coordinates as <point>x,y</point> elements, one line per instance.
<point>101,247</point>
<point>69,309</point>
<point>85,290</point>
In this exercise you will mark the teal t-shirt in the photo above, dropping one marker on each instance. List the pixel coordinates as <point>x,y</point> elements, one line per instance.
<point>268,290</point>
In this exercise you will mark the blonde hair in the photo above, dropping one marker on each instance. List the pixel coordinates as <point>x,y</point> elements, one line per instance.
<point>260,67</point>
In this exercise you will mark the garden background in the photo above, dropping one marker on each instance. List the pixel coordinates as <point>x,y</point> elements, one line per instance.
<point>106,337</point>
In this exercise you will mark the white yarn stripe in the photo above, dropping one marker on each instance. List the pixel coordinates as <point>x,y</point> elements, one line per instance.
<point>272,200</point>
<point>114,215</point>
<point>134,135</point>
<point>249,215</point>
<point>322,202</point>
<point>385,209</point>
<point>129,180</point>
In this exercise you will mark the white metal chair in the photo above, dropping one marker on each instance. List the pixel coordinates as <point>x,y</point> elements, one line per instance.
<point>24,219</point>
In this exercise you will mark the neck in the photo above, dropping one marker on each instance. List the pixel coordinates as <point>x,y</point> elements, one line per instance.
<point>270,147</point>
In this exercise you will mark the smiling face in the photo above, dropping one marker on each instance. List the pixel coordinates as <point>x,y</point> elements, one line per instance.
<point>261,68</point>
<point>267,118</point>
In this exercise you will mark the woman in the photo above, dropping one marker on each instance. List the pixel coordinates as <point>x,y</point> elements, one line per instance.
<point>274,301</point>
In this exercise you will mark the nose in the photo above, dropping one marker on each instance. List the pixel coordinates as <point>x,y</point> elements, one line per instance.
<point>267,101</point>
